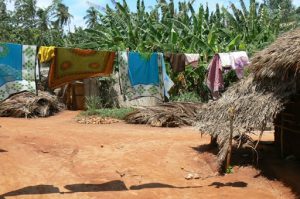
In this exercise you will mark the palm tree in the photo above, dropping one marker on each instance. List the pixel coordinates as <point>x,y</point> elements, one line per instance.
<point>62,15</point>
<point>43,21</point>
<point>92,17</point>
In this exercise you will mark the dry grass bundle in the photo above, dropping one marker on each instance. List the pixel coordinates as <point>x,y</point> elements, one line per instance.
<point>28,105</point>
<point>173,114</point>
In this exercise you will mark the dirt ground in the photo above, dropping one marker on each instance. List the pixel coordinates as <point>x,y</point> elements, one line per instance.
<point>58,158</point>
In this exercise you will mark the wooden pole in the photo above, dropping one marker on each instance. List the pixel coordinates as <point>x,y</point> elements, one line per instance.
<point>281,137</point>
<point>263,127</point>
<point>231,113</point>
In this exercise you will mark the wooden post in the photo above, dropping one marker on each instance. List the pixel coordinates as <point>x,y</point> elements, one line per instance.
<point>213,141</point>
<point>263,127</point>
<point>231,113</point>
<point>281,137</point>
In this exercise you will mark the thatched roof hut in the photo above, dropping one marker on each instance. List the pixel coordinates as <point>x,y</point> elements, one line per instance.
<point>260,97</point>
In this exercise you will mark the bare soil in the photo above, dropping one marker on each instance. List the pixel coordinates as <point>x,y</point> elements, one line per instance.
<point>57,157</point>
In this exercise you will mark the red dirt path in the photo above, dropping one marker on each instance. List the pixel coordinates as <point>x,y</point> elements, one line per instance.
<point>57,158</point>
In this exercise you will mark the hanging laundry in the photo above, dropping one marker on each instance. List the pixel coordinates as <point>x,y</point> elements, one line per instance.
<point>168,83</point>
<point>46,53</point>
<point>143,68</point>
<point>17,69</point>
<point>215,80</point>
<point>192,59</point>
<point>226,60</point>
<point>179,61</point>
<point>241,60</point>
<point>69,65</point>
<point>10,62</point>
<point>132,92</point>
<point>236,61</point>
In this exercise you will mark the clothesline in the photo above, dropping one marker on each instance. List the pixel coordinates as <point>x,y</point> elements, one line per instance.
<point>142,74</point>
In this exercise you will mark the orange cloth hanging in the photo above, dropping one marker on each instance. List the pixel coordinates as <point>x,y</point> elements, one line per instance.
<point>70,65</point>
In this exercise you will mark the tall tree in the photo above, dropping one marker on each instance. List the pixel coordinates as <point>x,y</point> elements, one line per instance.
<point>62,15</point>
<point>283,7</point>
<point>43,19</point>
<point>92,17</point>
<point>3,10</point>
<point>25,12</point>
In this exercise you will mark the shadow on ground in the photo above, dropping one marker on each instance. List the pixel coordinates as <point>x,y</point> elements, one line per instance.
<point>111,186</point>
<point>268,162</point>
<point>32,190</point>
<point>273,167</point>
<point>229,184</point>
<point>206,148</point>
<point>3,151</point>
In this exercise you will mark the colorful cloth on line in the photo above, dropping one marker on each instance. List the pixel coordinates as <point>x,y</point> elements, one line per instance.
<point>70,65</point>
<point>236,61</point>
<point>168,83</point>
<point>143,68</point>
<point>192,59</point>
<point>10,63</point>
<point>179,61</point>
<point>215,80</point>
<point>134,92</point>
<point>46,53</point>
<point>17,69</point>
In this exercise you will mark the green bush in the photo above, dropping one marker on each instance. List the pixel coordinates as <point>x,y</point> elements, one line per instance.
<point>187,97</point>
<point>117,113</point>
<point>95,106</point>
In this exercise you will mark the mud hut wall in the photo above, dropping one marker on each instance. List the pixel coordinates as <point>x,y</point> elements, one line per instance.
<point>73,96</point>
<point>287,129</point>
<point>79,95</point>
<point>91,87</point>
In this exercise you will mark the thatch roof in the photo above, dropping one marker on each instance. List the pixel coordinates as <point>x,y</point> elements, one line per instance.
<point>260,96</point>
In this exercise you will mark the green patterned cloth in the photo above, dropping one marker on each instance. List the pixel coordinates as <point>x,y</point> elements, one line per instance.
<point>137,91</point>
<point>28,75</point>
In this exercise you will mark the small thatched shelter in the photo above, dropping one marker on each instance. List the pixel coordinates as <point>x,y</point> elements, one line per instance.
<point>260,98</point>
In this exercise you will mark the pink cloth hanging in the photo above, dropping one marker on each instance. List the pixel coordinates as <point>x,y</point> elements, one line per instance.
<point>215,80</point>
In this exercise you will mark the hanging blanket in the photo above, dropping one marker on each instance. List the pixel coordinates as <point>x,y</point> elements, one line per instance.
<point>241,61</point>
<point>215,79</point>
<point>192,59</point>
<point>236,61</point>
<point>70,65</point>
<point>17,69</point>
<point>133,92</point>
<point>143,68</point>
<point>179,61</point>
<point>168,83</point>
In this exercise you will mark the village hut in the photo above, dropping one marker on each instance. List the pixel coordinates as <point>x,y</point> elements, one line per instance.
<point>270,94</point>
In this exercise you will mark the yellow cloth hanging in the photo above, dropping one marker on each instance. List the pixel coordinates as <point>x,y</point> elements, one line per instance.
<point>46,53</point>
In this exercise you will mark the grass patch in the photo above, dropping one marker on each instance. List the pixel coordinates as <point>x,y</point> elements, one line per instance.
<point>187,97</point>
<point>117,113</point>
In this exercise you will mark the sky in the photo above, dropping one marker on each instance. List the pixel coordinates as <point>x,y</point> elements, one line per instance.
<point>78,8</point>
